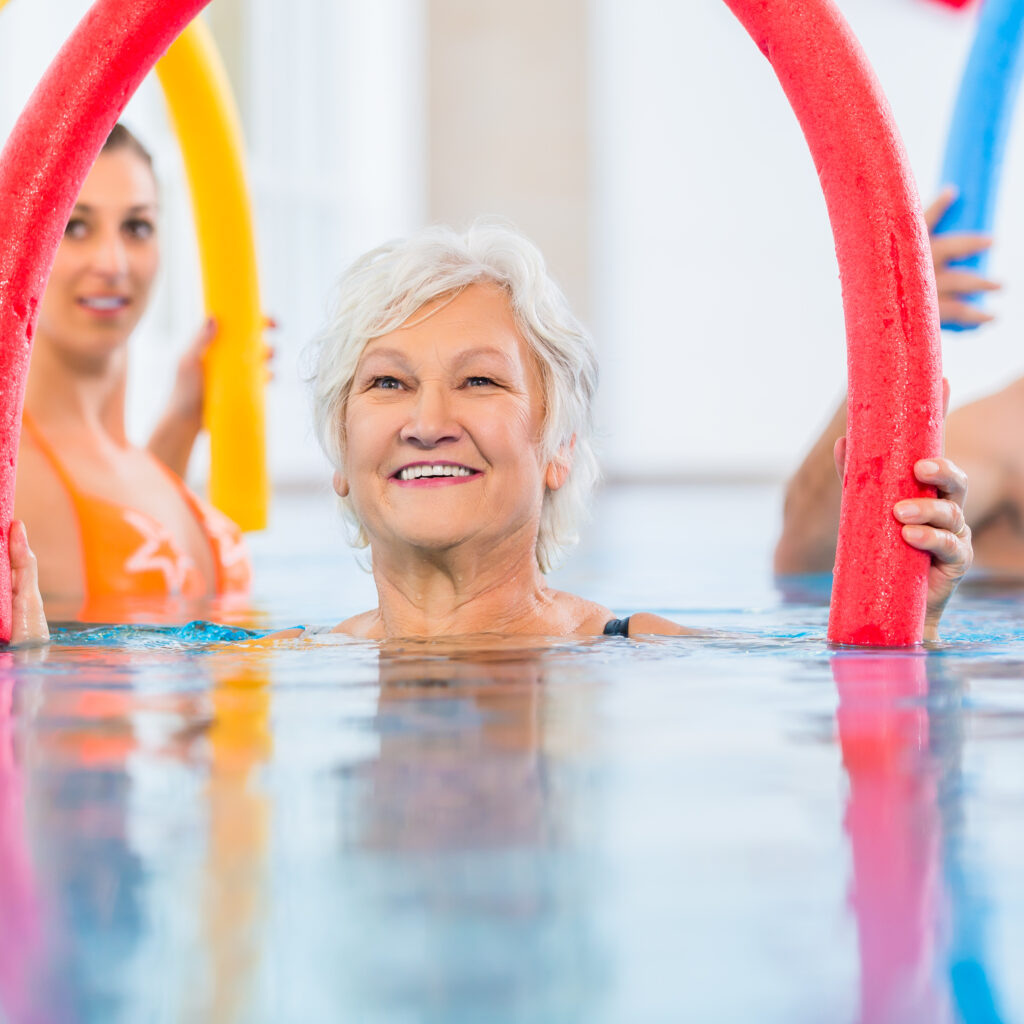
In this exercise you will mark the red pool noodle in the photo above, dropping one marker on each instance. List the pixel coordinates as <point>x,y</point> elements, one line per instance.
<point>42,167</point>
<point>892,323</point>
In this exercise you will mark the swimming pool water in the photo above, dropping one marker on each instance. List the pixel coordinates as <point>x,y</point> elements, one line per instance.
<point>745,826</point>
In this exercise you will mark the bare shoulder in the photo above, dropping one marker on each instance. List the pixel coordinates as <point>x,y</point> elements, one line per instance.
<point>358,626</point>
<point>648,624</point>
<point>364,625</point>
<point>591,619</point>
<point>983,439</point>
<point>994,422</point>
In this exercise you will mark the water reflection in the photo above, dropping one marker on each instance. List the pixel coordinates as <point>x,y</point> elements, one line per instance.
<point>461,764</point>
<point>919,916</point>
<point>102,813</point>
<point>21,952</point>
<point>235,886</point>
<point>492,830</point>
<point>475,862</point>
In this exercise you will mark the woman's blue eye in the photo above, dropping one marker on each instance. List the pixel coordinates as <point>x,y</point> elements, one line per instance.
<point>386,383</point>
<point>479,382</point>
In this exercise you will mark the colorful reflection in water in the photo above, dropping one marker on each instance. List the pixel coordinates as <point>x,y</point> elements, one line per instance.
<point>748,826</point>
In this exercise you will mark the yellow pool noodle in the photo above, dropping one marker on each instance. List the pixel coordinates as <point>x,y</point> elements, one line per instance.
<point>208,128</point>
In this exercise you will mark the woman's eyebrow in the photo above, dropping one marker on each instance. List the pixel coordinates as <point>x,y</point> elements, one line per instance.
<point>384,354</point>
<point>137,208</point>
<point>490,351</point>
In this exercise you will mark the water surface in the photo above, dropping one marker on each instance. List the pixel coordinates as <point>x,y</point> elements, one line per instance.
<point>743,826</point>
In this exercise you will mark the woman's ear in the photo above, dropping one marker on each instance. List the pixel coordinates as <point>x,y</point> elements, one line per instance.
<point>558,468</point>
<point>340,484</point>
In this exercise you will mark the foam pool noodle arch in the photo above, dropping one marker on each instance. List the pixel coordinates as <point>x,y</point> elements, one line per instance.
<point>206,122</point>
<point>42,166</point>
<point>209,132</point>
<point>879,591</point>
<point>980,127</point>
<point>892,319</point>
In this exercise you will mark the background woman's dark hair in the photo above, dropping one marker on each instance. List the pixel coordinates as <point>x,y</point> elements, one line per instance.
<point>121,138</point>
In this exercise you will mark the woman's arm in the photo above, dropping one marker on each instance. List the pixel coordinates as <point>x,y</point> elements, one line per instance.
<point>810,521</point>
<point>176,433</point>
<point>810,514</point>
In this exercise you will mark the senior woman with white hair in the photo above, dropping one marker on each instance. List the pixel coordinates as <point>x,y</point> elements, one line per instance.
<point>453,393</point>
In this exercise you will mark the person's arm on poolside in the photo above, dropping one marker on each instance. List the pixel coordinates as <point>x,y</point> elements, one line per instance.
<point>176,433</point>
<point>810,521</point>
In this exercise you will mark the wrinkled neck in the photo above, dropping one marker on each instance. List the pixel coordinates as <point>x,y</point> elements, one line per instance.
<point>463,590</point>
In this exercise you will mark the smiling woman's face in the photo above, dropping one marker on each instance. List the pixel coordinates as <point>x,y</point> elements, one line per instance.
<point>443,427</point>
<point>101,279</point>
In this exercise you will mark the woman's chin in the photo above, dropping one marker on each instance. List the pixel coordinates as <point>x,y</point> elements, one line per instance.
<point>427,543</point>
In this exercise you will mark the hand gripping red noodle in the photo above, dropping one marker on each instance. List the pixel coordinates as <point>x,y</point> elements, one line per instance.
<point>894,366</point>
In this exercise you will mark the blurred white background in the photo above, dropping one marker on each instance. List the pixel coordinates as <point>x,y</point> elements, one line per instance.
<point>646,146</point>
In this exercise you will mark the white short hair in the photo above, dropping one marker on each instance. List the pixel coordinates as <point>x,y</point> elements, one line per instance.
<point>382,289</point>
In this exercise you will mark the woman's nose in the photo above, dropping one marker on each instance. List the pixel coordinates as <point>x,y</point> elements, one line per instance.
<point>430,421</point>
<point>109,256</point>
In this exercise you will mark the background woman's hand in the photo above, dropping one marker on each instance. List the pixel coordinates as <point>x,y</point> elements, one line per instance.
<point>28,622</point>
<point>937,525</point>
<point>955,284</point>
<point>189,390</point>
<point>176,432</point>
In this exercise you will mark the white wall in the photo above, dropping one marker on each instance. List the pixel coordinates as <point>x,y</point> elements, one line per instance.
<point>719,305</point>
<point>714,287</point>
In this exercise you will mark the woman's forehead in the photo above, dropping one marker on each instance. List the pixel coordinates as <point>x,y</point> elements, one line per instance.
<point>476,322</point>
<point>118,179</point>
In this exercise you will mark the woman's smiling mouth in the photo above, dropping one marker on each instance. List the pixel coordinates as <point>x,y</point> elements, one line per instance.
<point>434,473</point>
<point>103,304</point>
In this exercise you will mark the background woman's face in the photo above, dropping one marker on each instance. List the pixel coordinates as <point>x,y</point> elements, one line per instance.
<point>443,428</point>
<point>101,279</point>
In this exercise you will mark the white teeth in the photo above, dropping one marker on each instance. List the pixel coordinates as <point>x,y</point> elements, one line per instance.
<point>417,472</point>
<point>105,302</point>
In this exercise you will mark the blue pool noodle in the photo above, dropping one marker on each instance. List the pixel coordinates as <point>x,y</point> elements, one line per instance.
<point>981,124</point>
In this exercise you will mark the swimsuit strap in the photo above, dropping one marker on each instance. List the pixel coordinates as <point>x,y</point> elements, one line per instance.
<point>50,454</point>
<point>75,496</point>
<point>617,627</point>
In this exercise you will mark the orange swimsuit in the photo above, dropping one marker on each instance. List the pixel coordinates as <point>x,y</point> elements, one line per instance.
<point>128,553</point>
